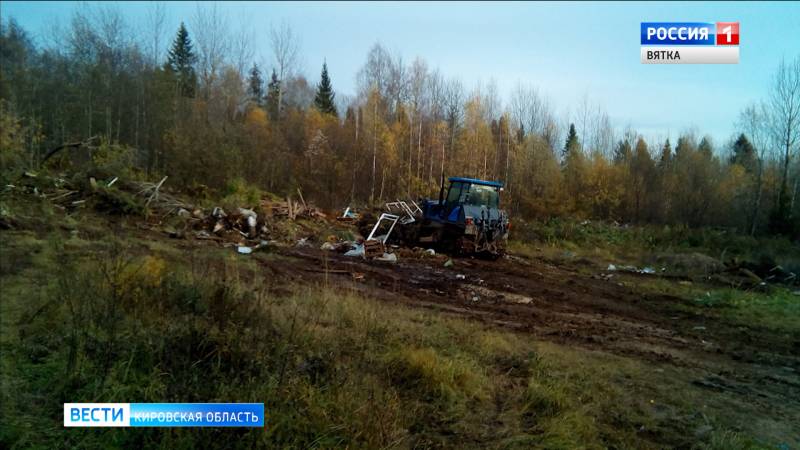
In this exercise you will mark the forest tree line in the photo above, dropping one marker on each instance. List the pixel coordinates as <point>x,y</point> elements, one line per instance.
<point>197,108</point>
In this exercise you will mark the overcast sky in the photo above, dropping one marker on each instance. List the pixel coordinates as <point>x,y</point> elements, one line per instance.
<point>567,50</point>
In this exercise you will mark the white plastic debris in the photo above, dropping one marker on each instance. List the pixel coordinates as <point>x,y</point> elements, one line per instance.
<point>348,214</point>
<point>648,270</point>
<point>247,212</point>
<point>244,250</point>
<point>389,257</point>
<point>327,246</point>
<point>461,277</point>
<point>612,267</point>
<point>358,250</point>
<point>430,251</point>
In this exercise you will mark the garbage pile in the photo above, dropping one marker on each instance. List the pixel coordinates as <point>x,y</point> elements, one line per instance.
<point>247,228</point>
<point>236,226</point>
<point>696,266</point>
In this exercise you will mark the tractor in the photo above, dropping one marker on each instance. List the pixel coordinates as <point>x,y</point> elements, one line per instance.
<point>467,220</point>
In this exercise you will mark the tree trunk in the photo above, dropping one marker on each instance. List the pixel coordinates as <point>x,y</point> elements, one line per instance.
<point>374,150</point>
<point>757,203</point>
<point>419,150</point>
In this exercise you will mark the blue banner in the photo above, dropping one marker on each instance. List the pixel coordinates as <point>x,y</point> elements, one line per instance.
<point>678,33</point>
<point>163,414</point>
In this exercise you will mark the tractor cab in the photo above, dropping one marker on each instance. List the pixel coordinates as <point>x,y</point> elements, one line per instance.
<point>465,198</point>
<point>469,195</point>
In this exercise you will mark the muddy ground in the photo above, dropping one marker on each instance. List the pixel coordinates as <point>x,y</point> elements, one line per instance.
<point>752,371</point>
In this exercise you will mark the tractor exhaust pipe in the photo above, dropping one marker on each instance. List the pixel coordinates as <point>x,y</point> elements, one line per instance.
<point>441,190</point>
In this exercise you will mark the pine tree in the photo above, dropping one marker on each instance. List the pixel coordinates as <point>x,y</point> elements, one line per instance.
<point>572,143</point>
<point>273,96</point>
<point>324,99</point>
<point>256,85</point>
<point>181,61</point>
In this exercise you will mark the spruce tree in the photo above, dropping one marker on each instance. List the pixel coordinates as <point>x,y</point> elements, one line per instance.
<point>181,60</point>
<point>706,148</point>
<point>324,99</point>
<point>666,154</point>
<point>273,96</point>
<point>572,142</point>
<point>256,85</point>
<point>743,153</point>
<point>623,152</point>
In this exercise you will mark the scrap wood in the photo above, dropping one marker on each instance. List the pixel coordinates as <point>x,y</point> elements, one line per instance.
<point>60,196</point>
<point>373,248</point>
<point>342,271</point>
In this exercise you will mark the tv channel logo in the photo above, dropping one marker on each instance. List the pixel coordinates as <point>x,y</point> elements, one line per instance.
<point>163,414</point>
<point>689,42</point>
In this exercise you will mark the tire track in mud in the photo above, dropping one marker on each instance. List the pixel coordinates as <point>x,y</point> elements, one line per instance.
<point>563,306</point>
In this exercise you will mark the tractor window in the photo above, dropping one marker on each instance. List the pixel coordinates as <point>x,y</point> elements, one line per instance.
<point>454,193</point>
<point>480,195</point>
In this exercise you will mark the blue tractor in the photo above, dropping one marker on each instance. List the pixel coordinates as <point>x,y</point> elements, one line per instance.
<point>467,220</point>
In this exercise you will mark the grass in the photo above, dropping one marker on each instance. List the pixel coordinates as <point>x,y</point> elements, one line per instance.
<point>608,242</point>
<point>90,315</point>
<point>777,310</point>
<point>117,322</point>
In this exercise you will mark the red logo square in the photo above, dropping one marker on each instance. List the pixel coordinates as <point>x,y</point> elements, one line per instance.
<point>727,33</point>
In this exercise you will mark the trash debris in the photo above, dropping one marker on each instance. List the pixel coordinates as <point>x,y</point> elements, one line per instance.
<point>358,250</point>
<point>292,209</point>
<point>391,219</point>
<point>632,269</point>
<point>373,248</point>
<point>402,208</point>
<point>389,257</point>
<point>302,242</point>
<point>244,250</point>
<point>430,251</point>
<point>448,263</point>
<point>460,277</point>
<point>348,215</point>
<point>327,246</point>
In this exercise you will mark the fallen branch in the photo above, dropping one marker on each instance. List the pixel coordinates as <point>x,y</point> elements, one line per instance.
<point>70,145</point>
<point>155,192</point>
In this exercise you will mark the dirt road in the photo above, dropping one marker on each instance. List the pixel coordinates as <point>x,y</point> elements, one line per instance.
<point>746,365</point>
